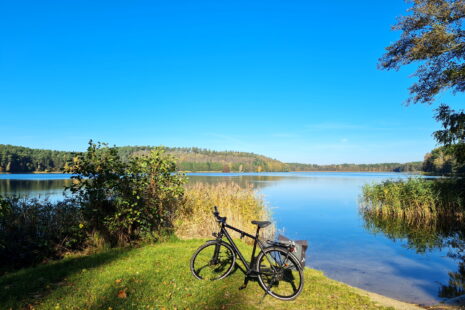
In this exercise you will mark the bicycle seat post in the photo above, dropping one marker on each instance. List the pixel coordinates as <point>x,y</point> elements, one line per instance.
<point>252,260</point>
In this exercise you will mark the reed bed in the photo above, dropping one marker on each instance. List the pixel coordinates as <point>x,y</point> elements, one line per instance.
<point>240,205</point>
<point>415,198</point>
<point>426,213</point>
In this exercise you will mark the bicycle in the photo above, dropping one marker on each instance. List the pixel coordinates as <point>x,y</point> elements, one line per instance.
<point>279,272</point>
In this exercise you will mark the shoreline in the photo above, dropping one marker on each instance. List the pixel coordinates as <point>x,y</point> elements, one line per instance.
<point>385,300</point>
<point>449,304</point>
<point>242,172</point>
<point>35,172</point>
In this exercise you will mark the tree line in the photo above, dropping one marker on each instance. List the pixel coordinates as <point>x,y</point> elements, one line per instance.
<point>383,167</point>
<point>16,159</point>
<point>24,159</point>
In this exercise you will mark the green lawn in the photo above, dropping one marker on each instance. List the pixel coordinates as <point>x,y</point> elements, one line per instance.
<point>156,277</point>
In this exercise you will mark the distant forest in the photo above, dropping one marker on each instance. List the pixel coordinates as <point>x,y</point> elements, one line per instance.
<point>14,159</point>
<point>22,159</point>
<point>415,166</point>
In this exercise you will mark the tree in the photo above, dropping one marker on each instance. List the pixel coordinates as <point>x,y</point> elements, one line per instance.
<point>433,36</point>
<point>226,168</point>
<point>453,134</point>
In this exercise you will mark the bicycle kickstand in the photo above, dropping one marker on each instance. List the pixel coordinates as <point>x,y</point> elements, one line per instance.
<point>246,281</point>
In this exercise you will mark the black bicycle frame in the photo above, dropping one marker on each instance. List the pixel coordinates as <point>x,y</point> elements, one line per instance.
<point>250,268</point>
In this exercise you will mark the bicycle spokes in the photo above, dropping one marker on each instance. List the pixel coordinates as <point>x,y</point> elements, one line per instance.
<point>280,274</point>
<point>212,262</point>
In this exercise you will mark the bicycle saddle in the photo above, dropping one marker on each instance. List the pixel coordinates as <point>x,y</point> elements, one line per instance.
<point>261,224</point>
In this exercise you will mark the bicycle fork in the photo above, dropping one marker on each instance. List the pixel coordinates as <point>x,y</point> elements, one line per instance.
<point>216,252</point>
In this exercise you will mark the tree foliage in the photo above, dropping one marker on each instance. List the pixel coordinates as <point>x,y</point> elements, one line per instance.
<point>453,134</point>
<point>441,162</point>
<point>23,159</point>
<point>433,35</point>
<point>124,200</point>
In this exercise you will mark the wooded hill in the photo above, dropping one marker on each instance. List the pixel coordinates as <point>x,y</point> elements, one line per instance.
<point>23,159</point>
<point>16,159</point>
<point>197,159</point>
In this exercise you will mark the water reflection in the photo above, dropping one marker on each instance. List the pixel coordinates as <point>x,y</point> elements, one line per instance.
<point>426,235</point>
<point>244,180</point>
<point>52,189</point>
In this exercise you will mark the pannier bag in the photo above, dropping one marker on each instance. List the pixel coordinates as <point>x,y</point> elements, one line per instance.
<point>300,245</point>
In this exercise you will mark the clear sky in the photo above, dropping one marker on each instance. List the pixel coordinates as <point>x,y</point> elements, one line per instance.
<point>294,80</point>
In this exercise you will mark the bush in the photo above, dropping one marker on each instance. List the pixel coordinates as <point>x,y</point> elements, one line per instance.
<point>240,206</point>
<point>33,230</point>
<point>123,201</point>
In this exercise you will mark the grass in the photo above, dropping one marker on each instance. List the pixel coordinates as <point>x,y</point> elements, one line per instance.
<point>156,277</point>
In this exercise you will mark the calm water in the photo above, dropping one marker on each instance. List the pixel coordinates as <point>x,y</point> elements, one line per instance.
<point>323,209</point>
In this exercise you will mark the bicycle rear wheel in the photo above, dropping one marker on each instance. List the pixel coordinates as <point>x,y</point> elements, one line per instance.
<point>213,261</point>
<point>280,273</point>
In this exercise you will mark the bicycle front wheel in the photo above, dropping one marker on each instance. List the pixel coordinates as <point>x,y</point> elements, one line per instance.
<point>279,273</point>
<point>213,261</point>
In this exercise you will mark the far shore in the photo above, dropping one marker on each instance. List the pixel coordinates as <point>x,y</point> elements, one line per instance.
<point>351,171</point>
<point>35,172</point>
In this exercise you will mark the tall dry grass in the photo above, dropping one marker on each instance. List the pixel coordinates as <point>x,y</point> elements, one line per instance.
<point>415,198</point>
<point>240,206</point>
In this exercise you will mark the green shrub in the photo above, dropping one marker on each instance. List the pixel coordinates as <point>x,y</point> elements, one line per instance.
<point>33,230</point>
<point>126,200</point>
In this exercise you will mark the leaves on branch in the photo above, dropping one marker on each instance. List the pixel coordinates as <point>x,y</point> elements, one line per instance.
<point>433,36</point>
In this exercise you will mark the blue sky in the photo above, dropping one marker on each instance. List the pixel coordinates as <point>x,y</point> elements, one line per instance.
<point>294,80</point>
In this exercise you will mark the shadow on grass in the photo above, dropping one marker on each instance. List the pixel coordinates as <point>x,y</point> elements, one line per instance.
<point>225,294</point>
<point>27,286</point>
<point>154,280</point>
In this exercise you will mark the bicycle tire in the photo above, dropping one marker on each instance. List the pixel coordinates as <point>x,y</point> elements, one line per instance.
<point>279,273</point>
<point>204,268</point>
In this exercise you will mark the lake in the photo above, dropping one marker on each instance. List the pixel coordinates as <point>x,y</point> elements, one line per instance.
<point>323,208</point>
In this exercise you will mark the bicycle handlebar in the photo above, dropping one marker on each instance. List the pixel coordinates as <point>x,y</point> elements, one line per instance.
<point>216,214</point>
